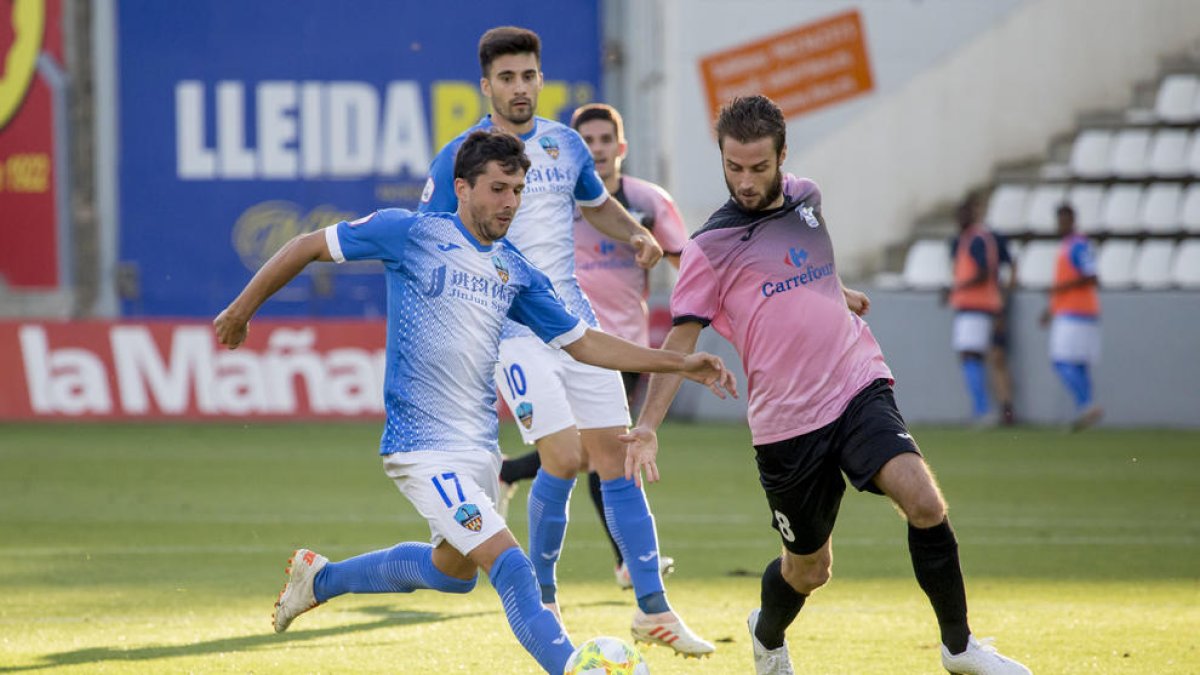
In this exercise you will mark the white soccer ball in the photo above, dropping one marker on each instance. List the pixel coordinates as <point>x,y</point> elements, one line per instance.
<point>606,656</point>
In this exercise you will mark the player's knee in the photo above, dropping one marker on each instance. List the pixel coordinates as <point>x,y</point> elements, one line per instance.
<point>807,573</point>
<point>928,510</point>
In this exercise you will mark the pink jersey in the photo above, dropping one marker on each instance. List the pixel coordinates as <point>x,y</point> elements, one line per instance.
<point>607,269</point>
<point>766,281</point>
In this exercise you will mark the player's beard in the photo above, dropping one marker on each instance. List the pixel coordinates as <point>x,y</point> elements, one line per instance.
<point>772,193</point>
<point>507,111</point>
<point>488,225</point>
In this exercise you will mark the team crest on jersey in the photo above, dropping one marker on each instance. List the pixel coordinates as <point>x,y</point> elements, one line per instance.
<point>806,212</point>
<point>525,414</point>
<point>796,257</point>
<point>549,145</point>
<point>501,268</point>
<point>468,516</point>
<point>427,193</point>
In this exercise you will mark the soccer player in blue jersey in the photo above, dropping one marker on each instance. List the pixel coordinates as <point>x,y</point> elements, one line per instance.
<point>452,281</point>
<point>565,407</point>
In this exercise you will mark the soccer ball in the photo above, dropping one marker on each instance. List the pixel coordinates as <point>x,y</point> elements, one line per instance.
<point>605,656</point>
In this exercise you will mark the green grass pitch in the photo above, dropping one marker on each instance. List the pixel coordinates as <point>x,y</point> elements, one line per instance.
<point>160,548</point>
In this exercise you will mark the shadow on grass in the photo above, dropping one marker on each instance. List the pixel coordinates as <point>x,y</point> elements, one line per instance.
<point>390,617</point>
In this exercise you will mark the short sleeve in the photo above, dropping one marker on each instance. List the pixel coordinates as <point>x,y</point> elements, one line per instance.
<point>381,235</point>
<point>1082,258</point>
<point>1005,257</point>
<point>438,195</point>
<point>589,189</point>
<point>696,296</point>
<point>539,307</point>
<point>669,230</point>
<point>978,251</point>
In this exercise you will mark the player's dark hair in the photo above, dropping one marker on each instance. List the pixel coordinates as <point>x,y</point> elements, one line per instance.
<point>492,145</point>
<point>599,111</point>
<point>505,40</point>
<point>1065,209</point>
<point>968,210</point>
<point>747,119</point>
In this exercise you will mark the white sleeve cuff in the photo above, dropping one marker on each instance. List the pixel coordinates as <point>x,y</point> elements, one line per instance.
<point>570,336</point>
<point>592,203</point>
<point>334,244</point>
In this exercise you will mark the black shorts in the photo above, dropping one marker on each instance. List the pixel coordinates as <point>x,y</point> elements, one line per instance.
<point>802,476</point>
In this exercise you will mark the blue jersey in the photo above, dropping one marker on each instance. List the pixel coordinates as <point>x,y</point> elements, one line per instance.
<point>448,296</point>
<point>561,175</point>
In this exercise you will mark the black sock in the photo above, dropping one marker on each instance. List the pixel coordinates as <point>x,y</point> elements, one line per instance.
<point>935,561</point>
<point>780,605</point>
<point>598,502</point>
<point>520,468</point>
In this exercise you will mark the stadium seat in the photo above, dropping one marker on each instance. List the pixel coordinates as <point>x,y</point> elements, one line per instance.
<point>927,265</point>
<point>1006,209</point>
<point>1036,267</point>
<point>1160,208</point>
<point>1193,156</point>
<point>1015,247</point>
<point>1040,210</point>
<point>1090,154</point>
<point>1186,271</point>
<point>1189,211</point>
<point>1176,100</point>
<point>1119,211</point>
<point>1087,200</point>
<point>1169,153</point>
<point>1130,156</point>
<point>1114,264</point>
<point>1152,268</point>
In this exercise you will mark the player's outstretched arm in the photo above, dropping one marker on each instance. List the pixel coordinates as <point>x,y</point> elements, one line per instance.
<point>614,221</point>
<point>641,442</point>
<point>233,322</point>
<point>608,351</point>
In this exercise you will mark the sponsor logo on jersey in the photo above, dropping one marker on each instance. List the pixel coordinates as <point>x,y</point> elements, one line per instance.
<point>806,212</point>
<point>550,146</point>
<point>796,257</point>
<point>437,282</point>
<point>469,517</point>
<point>525,414</point>
<point>448,247</point>
<point>605,247</point>
<point>808,273</point>
<point>501,268</point>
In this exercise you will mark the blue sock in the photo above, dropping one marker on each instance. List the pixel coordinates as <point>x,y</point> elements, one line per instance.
<point>1077,379</point>
<point>548,499</point>
<point>628,517</point>
<point>535,626</point>
<point>976,376</point>
<point>403,568</point>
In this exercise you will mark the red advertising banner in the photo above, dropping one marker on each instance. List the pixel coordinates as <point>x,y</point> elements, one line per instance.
<point>802,69</point>
<point>31,51</point>
<point>163,369</point>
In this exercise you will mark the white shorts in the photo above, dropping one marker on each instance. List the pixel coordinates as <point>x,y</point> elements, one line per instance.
<point>548,391</point>
<point>972,332</point>
<point>454,491</point>
<point>1074,340</point>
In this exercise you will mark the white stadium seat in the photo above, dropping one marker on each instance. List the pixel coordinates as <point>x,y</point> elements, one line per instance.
<point>1087,199</point>
<point>1189,211</point>
<point>1114,264</point>
<point>1176,100</point>
<point>927,265</point>
<point>1090,153</point>
<point>1040,210</point>
<point>1152,268</point>
<point>1036,267</point>
<point>1160,208</point>
<point>1186,272</point>
<point>1193,156</point>
<point>1119,211</point>
<point>1130,156</point>
<point>1168,153</point>
<point>1006,209</point>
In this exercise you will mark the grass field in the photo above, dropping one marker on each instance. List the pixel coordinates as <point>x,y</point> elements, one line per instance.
<point>160,549</point>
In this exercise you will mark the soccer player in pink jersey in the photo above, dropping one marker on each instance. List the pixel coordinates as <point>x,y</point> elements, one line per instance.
<point>762,273</point>
<point>615,284</point>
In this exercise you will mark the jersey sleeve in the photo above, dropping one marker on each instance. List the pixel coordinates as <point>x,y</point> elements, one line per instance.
<point>539,307</point>
<point>1003,254</point>
<point>978,251</point>
<point>669,230</point>
<point>589,189</point>
<point>438,195</point>
<point>381,235</point>
<point>1082,258</point>
<point>696,297</point>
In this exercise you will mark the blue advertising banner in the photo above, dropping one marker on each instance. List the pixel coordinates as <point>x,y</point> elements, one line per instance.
<point>243,124</point>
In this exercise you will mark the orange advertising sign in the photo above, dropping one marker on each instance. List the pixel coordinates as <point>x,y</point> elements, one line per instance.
<point>803,69</point>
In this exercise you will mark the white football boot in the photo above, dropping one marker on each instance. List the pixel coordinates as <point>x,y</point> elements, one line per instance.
<point>297,596</point>
<point>768,661</point>
<point>981,658</point>
<point>665,567</point>
<point>669,630</point>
